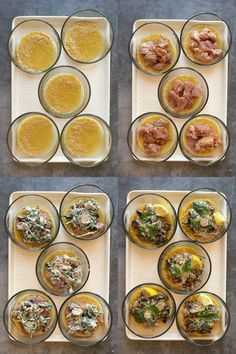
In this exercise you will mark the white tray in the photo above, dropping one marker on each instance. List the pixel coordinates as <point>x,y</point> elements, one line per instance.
<point>141,264</point>
<point>21,263</point>
<point>24,87</point>
<point>144,86</point>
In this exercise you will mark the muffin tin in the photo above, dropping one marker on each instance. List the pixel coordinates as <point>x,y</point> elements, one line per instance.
<point>141,264</point>
<point>25,86</point>
<point>22,263</point>
<point>144,87</point>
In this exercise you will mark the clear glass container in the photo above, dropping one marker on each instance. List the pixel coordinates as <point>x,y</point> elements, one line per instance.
<point>61,248</point>
<point>192,249</point>
<point>25,28</point>
<point>131,210</point>
<point>18,153</point>
<point>85,93</point>
<point>166,150</point>
<point>219,327</point>
<point>92,17</point>
<point>145,31</point>
<point>213,155</point>
<point>218,24</point>
<point>103,328</point>
<point>103,202</point>
<point>30,200</point>
<point>221,216</point>
<point>188,74</point>
<point>15,330</point>
<point>96,157</point>
<point>141,329</point>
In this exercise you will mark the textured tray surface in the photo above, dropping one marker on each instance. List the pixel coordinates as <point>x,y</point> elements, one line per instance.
<point>144,86</point>
<point>141,265</point>
<point>21,263</point>
<point>25,86</point>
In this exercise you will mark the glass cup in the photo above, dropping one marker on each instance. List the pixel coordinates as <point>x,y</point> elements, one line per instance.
<point>208,19</point>
<point>93,17</point>
<point>147,30</point>
<point>137,203</point>
<point>18,154</point>
<point>13,328</point>
<point>23,29</point>
<point>29,200</point>
<point>103,328</point>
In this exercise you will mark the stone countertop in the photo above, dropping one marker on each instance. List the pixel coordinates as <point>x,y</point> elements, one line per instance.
<point>12,184</point>
<point>8,11</point>
<point>225,185</point>
<point>129,11</point>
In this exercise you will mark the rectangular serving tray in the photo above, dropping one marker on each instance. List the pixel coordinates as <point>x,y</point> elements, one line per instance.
<point>144,86</point>
<point>141,264</point>
<point>24,87</point>
<point>21,263</point>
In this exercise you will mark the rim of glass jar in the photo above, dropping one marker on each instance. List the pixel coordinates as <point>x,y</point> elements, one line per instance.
<point>111,31</point>
<point>127,232</point>
<point>41,83</point>
<point>165,290</point>
<point>139,67</point>
<point>25,115</point>
<point>42,254</point>
<point>108,129</point>
<point>199,163</point>
<point>220,300</point>
<point>16,63</point>
<point>9,233</point>
<point>211,190</point>
<point>159,263</point>
<point>166,108</point>
<point>181,38</point>
<point>112,216</point>
<point>102,301</point>
<point>130,130</point>
<point>45,295</point>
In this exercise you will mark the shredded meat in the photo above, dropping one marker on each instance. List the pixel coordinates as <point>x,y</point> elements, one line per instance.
<point>203,45</point>
<point>156,54</point>
<point>154,136</point>
<point>201,137</point>
<point>182,95</point>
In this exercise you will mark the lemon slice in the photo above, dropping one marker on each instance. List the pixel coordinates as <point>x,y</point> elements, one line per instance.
<point>196,262</point>
<point>218,217</point>
<point>206,299</point>
<point>148,292</point>
<point>160,210</point>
